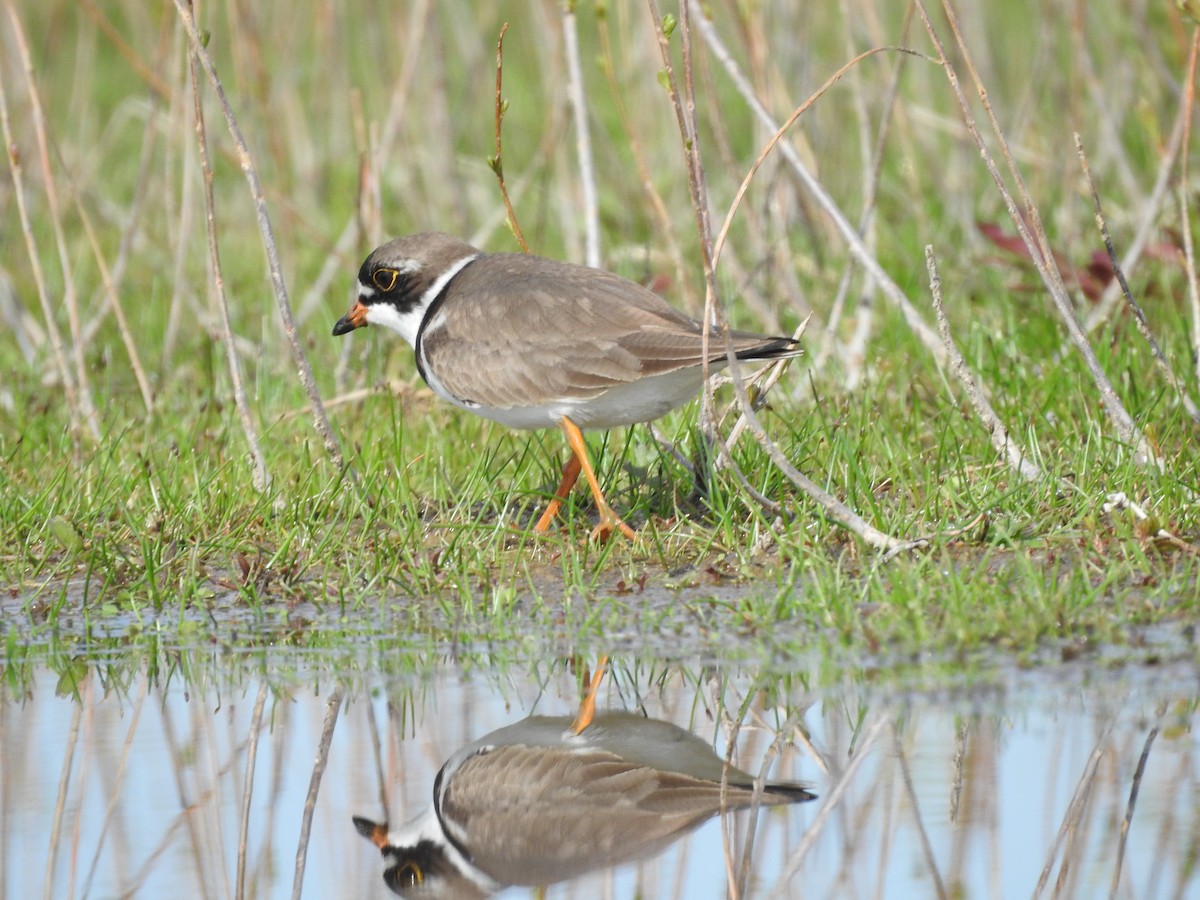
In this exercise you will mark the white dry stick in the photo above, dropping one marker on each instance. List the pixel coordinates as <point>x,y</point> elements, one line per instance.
<point>1074,813</point>
<point>320,420</point>
<point>248,788</point>
<point>1035,241</point>
<point>79,400</point>
<point>583,139</point>
<point>1017,459</point>
<point>829,806</point>
<point>854,242</point>
<point>686,114</point>
<point>258,465</point>
<point>332,708</point>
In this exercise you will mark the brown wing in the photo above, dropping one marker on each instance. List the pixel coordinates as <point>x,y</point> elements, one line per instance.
<point>511,341</point>
<point>537,815</point>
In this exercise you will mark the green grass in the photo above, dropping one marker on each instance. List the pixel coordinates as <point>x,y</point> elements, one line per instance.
<point>158,520</point>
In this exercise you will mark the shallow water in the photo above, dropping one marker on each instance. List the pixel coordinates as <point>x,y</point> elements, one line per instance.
<point>117,783</point>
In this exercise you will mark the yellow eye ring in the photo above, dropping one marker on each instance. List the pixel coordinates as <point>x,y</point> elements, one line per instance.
<point>385,279</point>
<point>409,874</point>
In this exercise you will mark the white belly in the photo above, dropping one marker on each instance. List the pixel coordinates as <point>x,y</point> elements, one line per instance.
<point>639,401</point>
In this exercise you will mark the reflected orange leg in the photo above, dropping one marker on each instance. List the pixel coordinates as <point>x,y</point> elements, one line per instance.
<point>569,475</point>
<point>587,707</point>
<point>609,520</point>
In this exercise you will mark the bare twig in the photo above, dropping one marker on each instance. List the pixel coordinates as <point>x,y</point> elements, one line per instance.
<point>922,832</point>
<point>79,398</point>
<point>248,787</point>
<point>261,477</point>
<point>1185,227</point>
<point>320,420</point>
<point>829,805</point>
<point>1139,315</point>
<point>1018,460</point>
<point>583,139</point>
<point>1070,822</point>
<point>1033,235</point>
<point>850,234</point>
<point>332,707</point>
<point>685,114</point>
<point>114,303</point>
<point>1128,820</point>
<point>1149,221</point>
<point>497,161</point>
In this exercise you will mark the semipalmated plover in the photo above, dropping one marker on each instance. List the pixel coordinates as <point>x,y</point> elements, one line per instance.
<point>542,801</point>
<point>532,343</point>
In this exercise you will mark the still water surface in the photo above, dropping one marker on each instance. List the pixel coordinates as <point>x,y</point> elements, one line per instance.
<point>115,784</point>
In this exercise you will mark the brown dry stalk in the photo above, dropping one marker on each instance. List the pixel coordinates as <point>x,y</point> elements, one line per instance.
<point>76,388</point>
<point>497,161</point>
<point>332,708</point>
<point>685,112</point>
<point>1002,440</point>
<point>261,477</point>
<point>1139,315</point>
<point>1034,236</point>
<point>275,268</point>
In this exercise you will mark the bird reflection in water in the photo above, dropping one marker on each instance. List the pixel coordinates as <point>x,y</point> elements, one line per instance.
<point>548,799</point>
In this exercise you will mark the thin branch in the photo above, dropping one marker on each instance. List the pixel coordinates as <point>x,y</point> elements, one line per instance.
<point>1001,439</point>
<point>1128,820</point>
<point>829,805</point>
<point>583,139</point>
<point>332,707</point>
<point>79,398</point>
<point>850,234</point>
<point>261,477</point>
<point>1071,818</point>
<point>1139,315</point>
<point>497,162</point>
<point>320,420</point>
<point>248,788</point>
<point>1034,237</point>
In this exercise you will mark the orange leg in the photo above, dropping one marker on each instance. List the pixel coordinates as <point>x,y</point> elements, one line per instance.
<point>587,708</point>
<point>570,473</point>
<point>609,520</point>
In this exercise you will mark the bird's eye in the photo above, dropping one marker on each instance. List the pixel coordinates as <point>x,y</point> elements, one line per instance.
<point>409,874</point>
<point>385,279</point>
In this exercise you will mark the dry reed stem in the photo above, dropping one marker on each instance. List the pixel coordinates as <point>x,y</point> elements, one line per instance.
<point>114,304</point>
<point>1072,817</point>
<point>332,707</point>
<point>1185,226</point>
<point>1139,315</point>
<point>583,138</point>
<point>260,703</point>
<point>914,806</point>
<point>1149,220</point>
<point>685,114</point>
<point>70,296</point>
<point>1012,452</point>
<point>849,233</point>
<point>1128,819</point>
<point>79,404</point>
<point>118,782</point>
<point>830,805</point>
<point>665,230</point>
<point>60,803</point>
<point>1034,236</point>
<point>275,269</point>
<point>497,161</point>
<point>258,465</point>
